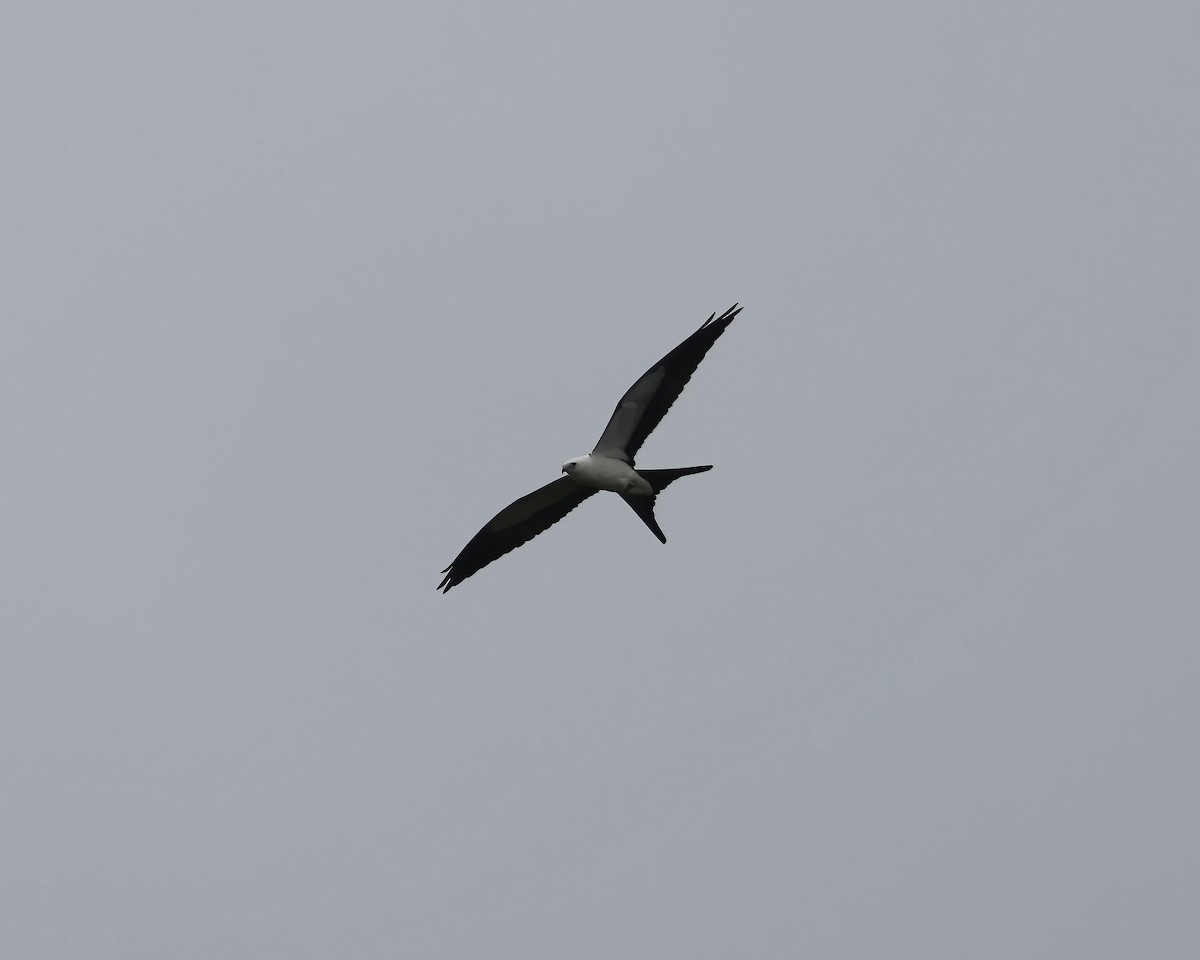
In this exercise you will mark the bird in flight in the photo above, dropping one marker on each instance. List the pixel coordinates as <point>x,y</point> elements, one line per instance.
<point>608,467</point>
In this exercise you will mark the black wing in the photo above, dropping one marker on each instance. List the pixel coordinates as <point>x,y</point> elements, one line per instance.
<point>648,400</point>
<point>521,520</point>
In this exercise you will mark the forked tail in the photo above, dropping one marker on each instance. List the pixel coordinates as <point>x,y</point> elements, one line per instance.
<point>659,480</point>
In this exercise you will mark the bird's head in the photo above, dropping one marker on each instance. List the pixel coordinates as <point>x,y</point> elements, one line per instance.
<point>570,466</point>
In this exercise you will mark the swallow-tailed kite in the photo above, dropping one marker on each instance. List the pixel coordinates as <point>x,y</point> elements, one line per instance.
<point>608,467</point>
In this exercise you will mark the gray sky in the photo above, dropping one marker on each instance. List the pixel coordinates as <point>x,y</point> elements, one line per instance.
<point>296,296</point>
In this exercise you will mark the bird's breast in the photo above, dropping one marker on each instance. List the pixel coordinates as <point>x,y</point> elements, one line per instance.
<point>608,473</point>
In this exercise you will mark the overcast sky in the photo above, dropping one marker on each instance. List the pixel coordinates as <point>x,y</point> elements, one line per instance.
<point>296,296</point>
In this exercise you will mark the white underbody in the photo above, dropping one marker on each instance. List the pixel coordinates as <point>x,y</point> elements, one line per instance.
<point>606,473</point>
